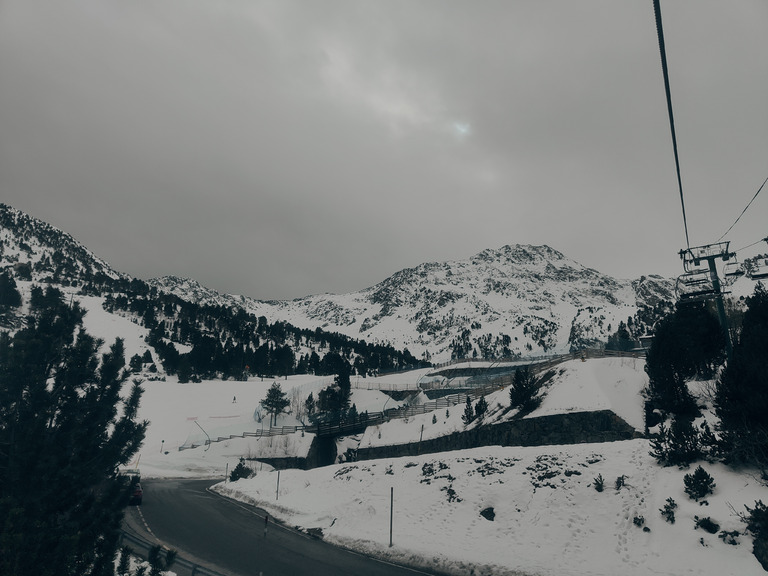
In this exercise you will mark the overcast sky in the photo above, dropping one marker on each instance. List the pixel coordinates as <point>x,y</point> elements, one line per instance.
<point>281,149</point>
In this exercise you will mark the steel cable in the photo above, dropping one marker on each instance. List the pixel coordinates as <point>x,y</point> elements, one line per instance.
<point>743,211</point>
<point>663,53</point>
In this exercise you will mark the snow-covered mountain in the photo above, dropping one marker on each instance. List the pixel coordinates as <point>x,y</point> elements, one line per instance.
<point>517,300</point>
<point>35,250</point>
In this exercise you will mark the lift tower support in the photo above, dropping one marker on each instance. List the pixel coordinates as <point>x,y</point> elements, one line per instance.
<point>693,258</point>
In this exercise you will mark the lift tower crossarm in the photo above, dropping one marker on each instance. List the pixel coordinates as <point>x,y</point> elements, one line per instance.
<point>710,253</point>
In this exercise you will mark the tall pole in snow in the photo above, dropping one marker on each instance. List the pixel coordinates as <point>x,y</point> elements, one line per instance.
<point>277,491</point>
<point>391,510</point>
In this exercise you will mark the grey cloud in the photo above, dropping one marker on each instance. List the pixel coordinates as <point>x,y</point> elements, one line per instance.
<point>283,148</point>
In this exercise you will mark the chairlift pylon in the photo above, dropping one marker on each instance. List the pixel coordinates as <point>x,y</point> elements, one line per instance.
<point>693,257</point>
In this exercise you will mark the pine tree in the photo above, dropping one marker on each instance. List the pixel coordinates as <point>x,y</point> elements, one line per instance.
<point>9,295</point>
<point>240,471</point>
<point>124,564</point>
<point>309,405</point>
<point>352,415</point>
<point>481,408</point>
<point>275,403</point>
<point>621,340</point>
<point>699,484</point>
<point>334,399</point>
<point>686,344</point>
<point>344,385</point>
<point>678,445</point>
<point>157,563</point>
<point>469,413</point>
<point>523,393</point>
<point>136,363</point>
<point>742,390</point>
<point>64,430</point>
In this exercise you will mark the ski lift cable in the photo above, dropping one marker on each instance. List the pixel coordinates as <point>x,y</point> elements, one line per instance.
<point>753,244</point>
<point>665,71</point>
<point>742,213</point>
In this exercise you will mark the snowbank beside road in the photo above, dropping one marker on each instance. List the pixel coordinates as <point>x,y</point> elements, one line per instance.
<point>548,519</point>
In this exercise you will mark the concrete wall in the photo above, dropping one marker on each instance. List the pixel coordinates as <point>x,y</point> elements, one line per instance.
<point>284,463</point>
<point>572,428</point>
<point>322,452</point>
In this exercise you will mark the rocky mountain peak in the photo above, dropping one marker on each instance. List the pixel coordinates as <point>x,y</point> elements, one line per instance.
<point>520,254</point>
<point>40,252</point>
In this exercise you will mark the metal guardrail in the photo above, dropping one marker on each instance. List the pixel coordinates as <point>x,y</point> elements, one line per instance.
<point>371,384</point>
<point>371,419</point>
<point>141,547</point>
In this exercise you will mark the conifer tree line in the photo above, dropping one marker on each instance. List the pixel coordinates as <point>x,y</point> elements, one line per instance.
<point>231,343</point>
<point>689,344</point>
<point>66,425</point>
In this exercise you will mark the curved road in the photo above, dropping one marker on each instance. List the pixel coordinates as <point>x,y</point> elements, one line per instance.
<point>219,533</point>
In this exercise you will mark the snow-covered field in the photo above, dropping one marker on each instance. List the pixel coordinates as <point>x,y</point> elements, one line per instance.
<point>548,517</point>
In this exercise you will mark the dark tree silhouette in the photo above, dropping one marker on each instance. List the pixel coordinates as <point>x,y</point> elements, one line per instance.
<point>523,393</point>
<point>64,430</point>
<point>469,412</point>
<point>686,344</point>
<point>742,390</point>
<point>275,403</point>
<point>9,294</point>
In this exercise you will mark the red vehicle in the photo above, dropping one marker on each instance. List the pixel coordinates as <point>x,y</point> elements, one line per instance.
<point>136,494</point>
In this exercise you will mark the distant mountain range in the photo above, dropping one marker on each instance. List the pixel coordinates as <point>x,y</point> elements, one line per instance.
<point>518,300</point>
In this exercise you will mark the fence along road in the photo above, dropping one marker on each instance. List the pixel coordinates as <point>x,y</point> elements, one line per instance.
<point>371,419</point>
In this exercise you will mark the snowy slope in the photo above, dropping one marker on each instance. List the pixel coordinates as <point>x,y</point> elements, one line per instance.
<point>548,517</point>
<point>549,520</point>
<point>37,251</point>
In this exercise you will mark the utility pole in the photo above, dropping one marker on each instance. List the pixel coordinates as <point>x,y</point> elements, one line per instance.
<point>721,308</point>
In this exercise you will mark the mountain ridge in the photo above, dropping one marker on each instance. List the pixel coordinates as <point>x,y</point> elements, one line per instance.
<point>59,256</point>
<point>429,308</point>
<point>517,300</point>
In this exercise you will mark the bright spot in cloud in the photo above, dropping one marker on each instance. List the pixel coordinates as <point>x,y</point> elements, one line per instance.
<point>461,130</point>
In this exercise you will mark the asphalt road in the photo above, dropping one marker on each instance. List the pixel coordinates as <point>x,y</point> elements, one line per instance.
<point>229,536</point>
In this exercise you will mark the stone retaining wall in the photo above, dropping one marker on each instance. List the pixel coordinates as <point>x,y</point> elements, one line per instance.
<point>572,428</point>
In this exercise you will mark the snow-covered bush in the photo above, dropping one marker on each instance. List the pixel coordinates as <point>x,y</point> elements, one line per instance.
<point>240,471</point>
<point>699,484</point>
<point>668,511</point>
<point>707,524</point>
